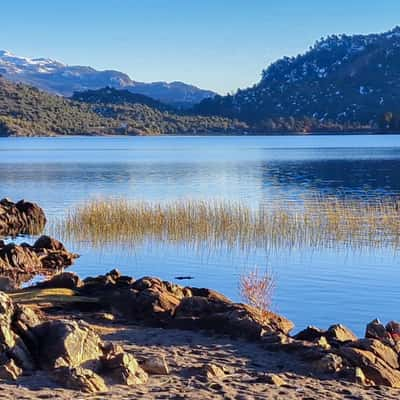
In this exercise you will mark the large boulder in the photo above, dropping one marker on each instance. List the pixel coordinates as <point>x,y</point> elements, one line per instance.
<point>64,343</point>
<point>20,218</point>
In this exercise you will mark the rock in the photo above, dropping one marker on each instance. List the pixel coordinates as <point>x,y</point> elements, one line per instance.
<point>66,280</point>
<point>209,294</point>
<point>10,371</point>
<point>323,343</point>
<point>81,379</point>
<point>122,367</point>
<point>196,306</point>
<point>9,341</point>
<point>46,242</point>
<point>360,377</point>
<point>393,328</point>
<point>275,341</point>
<point>22,262</point>
<point>7,284</point>
<point>68,343</point>
<point>310,334</point>
<point>307,351</point>
<point>104,317</point>
<point>328,364</point>
<point>374,368</point>
<point>169,305</point>
<point>20,218</point>
<point>339,333</point>
<point>380,349</point>
<point>24,322</point>
<point>275,380</point>
<point>237,320</point>
<point>212,371</point>
<point>156,366</point>
<point>375,330</point>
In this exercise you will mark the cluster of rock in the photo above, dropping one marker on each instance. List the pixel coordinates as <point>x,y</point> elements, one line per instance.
<point>70,351</point>
<point>19,263</point>
<point>374,360</point>
<point>20,218</point>
<point>166,304</point>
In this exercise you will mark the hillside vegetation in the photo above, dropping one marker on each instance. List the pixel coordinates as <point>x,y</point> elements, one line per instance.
<point>341,82</point>
<point>27,111</point>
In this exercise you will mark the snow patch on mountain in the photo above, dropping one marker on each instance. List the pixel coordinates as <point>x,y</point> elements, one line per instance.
<point>56,77</point>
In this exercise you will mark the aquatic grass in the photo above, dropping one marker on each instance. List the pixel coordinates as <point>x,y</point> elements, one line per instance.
<point>317,221</point>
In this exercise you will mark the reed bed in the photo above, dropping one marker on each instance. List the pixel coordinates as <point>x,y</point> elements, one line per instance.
<point>314,222</point>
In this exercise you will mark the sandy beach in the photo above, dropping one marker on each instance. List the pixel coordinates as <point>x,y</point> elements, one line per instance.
<point>247,368</point>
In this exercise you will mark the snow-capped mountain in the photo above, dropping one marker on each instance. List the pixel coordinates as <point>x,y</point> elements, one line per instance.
<point>56,77</point>
<point>342,78</point>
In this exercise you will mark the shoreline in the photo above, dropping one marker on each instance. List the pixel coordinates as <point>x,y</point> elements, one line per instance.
<point>225,134</point>
<point>214,359</point>
<point>115,335</point>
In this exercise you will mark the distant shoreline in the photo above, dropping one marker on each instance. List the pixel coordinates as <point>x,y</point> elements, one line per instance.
<point>211,134</point>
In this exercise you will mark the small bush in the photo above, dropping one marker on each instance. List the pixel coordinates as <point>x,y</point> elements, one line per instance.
<point>256,289</point>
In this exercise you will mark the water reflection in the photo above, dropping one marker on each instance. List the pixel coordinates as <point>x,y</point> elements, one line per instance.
<point>314,285</point>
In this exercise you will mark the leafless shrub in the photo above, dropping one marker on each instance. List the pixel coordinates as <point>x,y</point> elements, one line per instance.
<point>256,289</point>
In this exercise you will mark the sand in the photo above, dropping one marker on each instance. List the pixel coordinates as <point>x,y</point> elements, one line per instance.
<point>187,352</point>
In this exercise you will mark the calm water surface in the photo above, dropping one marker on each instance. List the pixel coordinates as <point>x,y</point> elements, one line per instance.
<point>313,286</point>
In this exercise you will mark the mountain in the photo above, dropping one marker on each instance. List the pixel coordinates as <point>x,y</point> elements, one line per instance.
<point>347,81</point>
<point>58,78</point>
<point>28,111</point>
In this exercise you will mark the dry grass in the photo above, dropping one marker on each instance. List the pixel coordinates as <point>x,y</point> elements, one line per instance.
<point>256,289</point>
<point>315,222</point>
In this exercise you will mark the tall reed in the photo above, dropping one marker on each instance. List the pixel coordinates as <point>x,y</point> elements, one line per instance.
<point>318,222</point>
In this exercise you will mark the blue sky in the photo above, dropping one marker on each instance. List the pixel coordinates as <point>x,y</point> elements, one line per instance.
<point>216,44</point>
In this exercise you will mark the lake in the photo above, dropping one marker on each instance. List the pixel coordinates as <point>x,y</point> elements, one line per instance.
<point>313,285</point>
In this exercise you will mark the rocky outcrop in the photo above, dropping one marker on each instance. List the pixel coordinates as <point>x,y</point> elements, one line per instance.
<point>166,304</point>
<point>70,351</point>
<point>370,361</point>
<point>20,218</point>
<point>75,354</point>
<point>22,262</point>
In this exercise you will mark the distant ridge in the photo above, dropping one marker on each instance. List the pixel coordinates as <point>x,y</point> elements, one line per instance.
<point>58,78</point>
<point>341,81</point>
